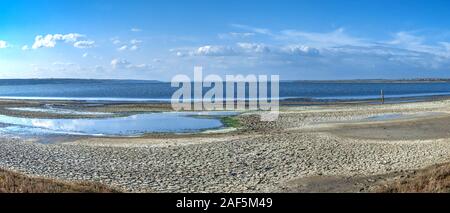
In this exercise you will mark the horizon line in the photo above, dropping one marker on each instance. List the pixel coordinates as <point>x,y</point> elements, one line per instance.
<point>294,80</point>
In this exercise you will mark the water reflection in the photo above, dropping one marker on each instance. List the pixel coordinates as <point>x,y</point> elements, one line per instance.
<point>60,111</point>
<point>169,122</point>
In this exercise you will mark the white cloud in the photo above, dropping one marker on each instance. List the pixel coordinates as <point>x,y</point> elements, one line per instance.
<point>122,64</point>
<point>300,50</point>
<point>3,44</point>
<point>119,63</point>
<point>337,37</point>
<point>58,63</point>
<point>263,31</point>
<point>84,44</point>
<point>406,40</point>
<point>254,47</point>
<point>250,50</point>
<point>139,67</point>
<point>132,45</point>
<point>69,38</point>
<point>85,55</point>
<point>115,41</point>
<point>122,48</point>
<point>209,50</point>
<point>135,44</point>
<point>404,51</point>
<point>25,47</point>
<point>41,41</point>
<point>134,29</point>
<point>49,41</point>
<point>402,38</point>
<point>135,41</point>
<point>236,35</point>
<point>63,66</point>
<point>402,44</point>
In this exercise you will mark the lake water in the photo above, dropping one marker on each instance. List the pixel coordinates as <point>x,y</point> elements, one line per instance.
<point>173,122</point>
<point>167,122</point>
<point>127,90</point>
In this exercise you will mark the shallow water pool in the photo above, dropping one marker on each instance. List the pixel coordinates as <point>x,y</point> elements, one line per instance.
<point>396,116</point>
<point>59,111</point>
<point>166,122</point>
<point>386,117</point>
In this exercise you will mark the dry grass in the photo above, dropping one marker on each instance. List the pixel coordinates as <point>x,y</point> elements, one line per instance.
<point>12,182</point>
<point>432,179</point>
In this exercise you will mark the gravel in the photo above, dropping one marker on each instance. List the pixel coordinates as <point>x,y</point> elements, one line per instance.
<point>263,162</point>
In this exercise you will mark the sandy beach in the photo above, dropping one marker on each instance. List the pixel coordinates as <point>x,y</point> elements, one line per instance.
<point>329,148</point>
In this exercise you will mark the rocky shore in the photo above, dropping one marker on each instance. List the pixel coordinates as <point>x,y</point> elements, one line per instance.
<point>259,157</point>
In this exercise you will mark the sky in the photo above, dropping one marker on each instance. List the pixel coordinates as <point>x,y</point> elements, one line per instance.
<point>157,39</point>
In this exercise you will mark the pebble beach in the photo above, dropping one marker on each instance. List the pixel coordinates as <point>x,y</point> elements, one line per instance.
<point>305,142</point>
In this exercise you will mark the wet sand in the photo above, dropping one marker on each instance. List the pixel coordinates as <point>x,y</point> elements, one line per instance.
<point>414,129</point>
<point>334,148</point>
<point>119,109</point>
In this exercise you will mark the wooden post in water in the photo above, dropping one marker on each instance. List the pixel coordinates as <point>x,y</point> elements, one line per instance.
<point>382,97</point>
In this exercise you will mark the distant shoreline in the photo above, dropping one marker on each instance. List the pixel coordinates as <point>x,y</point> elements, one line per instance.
<point>305,100</point>
<point>409,80</point>
<point>376,81</point>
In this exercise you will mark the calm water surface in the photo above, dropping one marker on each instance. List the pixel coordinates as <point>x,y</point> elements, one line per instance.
<point>170,122</point>
<point>126,90</point>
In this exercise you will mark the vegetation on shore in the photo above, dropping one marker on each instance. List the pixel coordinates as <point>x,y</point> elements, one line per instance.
<point>432,179</point>
<point>231,121</point>
<point>12,182</point>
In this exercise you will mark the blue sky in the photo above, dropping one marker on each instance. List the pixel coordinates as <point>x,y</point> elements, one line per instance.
<point>158,39</point>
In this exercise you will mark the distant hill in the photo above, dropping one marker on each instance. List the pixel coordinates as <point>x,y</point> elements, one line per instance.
<point>414,80</point>
<point>99,81</point>
<point>68,81</point>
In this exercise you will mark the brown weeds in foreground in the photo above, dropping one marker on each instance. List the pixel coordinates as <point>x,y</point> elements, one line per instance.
<point>432,179</point>
<point>12,182</point>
